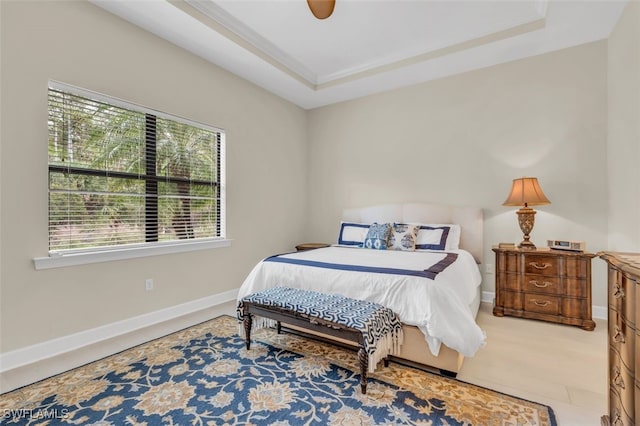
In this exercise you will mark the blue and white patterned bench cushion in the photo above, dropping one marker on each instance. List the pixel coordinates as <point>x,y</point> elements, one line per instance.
<point>380,327</point>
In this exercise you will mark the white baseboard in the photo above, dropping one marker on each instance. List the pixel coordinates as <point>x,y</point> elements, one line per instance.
<point>79,342</point>
<point>51,348</point>
<point>599,312</point>
<point>488,296</point>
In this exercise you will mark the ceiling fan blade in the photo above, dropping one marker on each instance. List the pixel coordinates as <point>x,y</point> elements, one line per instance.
<point>321,9</point>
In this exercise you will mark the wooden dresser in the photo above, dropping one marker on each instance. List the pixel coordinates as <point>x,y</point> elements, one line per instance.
<point>548,285</point>
<point>624,320</point>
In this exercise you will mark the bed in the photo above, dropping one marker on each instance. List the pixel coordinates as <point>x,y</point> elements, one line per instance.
<point>435,290</point>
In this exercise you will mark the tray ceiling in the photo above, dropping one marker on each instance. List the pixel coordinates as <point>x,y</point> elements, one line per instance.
<point>366,46</point>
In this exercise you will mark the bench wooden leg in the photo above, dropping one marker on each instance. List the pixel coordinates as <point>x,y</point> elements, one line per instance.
<point>247,329</point>
<point>364,366</point>
<point>278,327</point>
<point>386,361</point>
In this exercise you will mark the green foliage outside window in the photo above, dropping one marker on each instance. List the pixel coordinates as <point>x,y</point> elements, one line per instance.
<point>103,192</point>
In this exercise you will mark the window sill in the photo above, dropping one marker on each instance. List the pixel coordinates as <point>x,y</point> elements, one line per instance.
<point>74,259</point>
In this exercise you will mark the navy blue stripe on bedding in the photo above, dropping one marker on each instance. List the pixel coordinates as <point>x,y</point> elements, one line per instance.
<point>429,273</point>
<point>443,239</point>
<point>344,242</point>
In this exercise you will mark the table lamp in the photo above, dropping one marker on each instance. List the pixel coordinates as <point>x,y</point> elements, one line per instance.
<point>526,192</point>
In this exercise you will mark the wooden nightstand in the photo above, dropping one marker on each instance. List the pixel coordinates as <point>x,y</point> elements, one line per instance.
<point>548,285</point>
<point>311,246</point>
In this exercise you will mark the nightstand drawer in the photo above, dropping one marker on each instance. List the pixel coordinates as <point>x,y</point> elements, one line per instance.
<point>542,304</point>
<point>542,265</point>
<point>541,284</point>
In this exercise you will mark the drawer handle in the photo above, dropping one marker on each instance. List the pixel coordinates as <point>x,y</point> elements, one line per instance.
<point>541,304</point>
<point>617,380</point>
<point>544,284</point>
<point>619,336</point>
<point>617,421</point>
<point>618,292</point>
<point>538,266</point>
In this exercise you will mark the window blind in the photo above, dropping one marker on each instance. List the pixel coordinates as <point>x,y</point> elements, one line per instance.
<point>122,175</point>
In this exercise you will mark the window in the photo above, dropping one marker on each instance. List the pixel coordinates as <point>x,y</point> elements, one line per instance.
<point>124,176</point>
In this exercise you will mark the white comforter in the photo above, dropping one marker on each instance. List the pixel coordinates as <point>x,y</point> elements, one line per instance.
<point>438,307</point>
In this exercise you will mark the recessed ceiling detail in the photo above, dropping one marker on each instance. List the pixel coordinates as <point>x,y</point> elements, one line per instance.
<point>366,46</point>
<point>381,35</point>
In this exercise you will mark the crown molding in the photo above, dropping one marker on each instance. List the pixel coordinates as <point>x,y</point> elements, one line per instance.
<point>382,66</point>
<point>216,18</point>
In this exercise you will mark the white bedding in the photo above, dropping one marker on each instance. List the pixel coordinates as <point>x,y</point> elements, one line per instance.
<point>439,307</point>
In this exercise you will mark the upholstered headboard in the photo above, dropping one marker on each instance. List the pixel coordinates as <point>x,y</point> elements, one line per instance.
<point>470,220</point>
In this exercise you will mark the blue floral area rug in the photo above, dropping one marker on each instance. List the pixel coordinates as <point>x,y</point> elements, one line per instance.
<point>203,375</point>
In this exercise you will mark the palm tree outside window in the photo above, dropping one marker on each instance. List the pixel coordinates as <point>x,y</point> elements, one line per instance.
<point>121,174</point>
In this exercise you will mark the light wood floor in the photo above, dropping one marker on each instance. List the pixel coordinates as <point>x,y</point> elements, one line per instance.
<point>561,366</point>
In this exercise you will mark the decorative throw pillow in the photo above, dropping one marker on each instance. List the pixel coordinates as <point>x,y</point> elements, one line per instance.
<point>378,236</point>
<point>403,237</point>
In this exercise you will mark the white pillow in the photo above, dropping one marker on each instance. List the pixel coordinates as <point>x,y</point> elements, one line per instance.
<point>352,234</point>
<point>436,236</point>
<point>453,239</point>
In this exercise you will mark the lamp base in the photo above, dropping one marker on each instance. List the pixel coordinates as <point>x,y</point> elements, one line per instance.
<point>527,245</point>
<point>526,219</point>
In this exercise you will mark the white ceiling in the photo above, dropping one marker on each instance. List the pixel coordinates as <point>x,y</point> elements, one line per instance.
<point>366,46</point>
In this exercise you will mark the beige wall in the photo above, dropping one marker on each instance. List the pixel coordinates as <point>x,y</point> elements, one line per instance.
<point>80,44</point>
<point>624,131</point>
<point>462,139</point>
<point>458,140</point>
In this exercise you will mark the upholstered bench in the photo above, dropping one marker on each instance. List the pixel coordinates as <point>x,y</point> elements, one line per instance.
<point>375,329</point>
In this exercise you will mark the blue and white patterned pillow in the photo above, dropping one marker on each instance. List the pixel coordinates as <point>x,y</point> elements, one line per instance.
<point>378,236</point>
<point>403,237</point>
